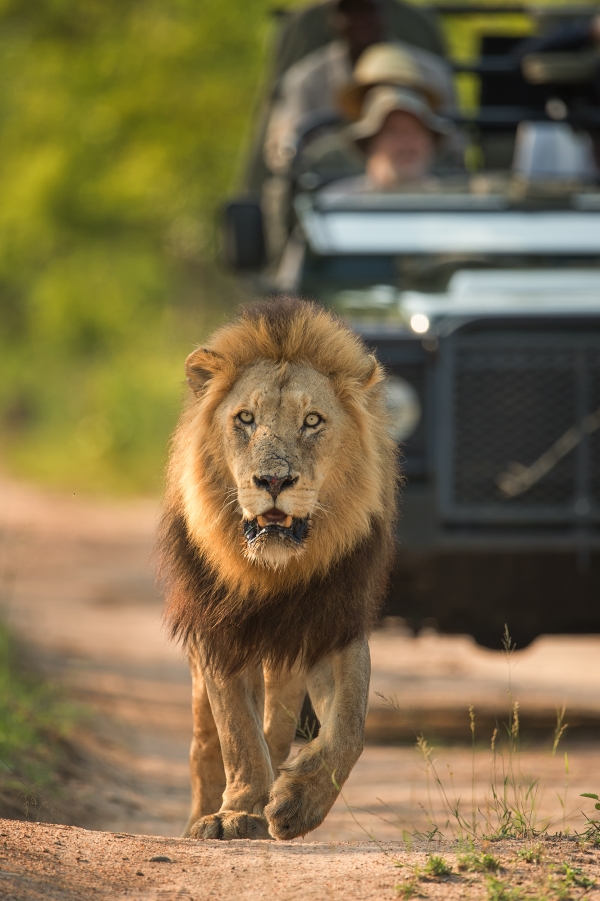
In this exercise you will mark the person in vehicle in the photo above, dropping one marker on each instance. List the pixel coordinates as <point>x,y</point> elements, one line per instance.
<point>409,102</point>
<point>398,134</point>
<point>311,87</point>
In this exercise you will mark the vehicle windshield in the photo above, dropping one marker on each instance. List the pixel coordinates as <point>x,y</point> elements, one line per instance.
<point>478,243</point>
<point>385,287</point>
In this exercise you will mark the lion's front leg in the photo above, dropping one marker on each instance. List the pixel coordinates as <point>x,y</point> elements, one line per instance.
<point>307,787</point>
<point>237,705</point>
<point>206,762</point>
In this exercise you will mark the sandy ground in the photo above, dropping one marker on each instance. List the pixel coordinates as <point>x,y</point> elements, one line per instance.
<point>76,582</point>
<point>63,863</point>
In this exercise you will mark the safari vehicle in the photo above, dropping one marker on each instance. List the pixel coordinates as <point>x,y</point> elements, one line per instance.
<point>483,300</point>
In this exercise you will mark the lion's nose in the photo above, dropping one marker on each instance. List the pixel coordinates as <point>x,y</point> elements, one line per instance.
<point>275,484</point>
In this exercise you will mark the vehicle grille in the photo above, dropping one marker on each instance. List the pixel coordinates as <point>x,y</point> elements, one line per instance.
<point>510,396</point>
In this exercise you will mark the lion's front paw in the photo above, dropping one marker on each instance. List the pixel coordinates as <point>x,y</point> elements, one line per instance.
<point>296,807</point>
<point>230,824</point>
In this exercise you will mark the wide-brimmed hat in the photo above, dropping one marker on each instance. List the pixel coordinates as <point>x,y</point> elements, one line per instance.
<point>392,64</point>
<point>381,101</point>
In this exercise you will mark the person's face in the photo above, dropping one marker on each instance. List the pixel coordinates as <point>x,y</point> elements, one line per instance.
<point>402,150</point>
<point>359,22</point>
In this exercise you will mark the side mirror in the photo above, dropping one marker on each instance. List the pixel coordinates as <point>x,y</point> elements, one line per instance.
<point>244,234</point>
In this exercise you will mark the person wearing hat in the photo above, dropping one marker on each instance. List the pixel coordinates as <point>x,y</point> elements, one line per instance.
<point>395,64</point>
<point>398,133</point>
<point>313,85</point>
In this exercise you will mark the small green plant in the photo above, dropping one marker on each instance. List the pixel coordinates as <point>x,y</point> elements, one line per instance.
<point>436,866</point>
<point>565,882</point>
<point>531,855</point>
<point>430,835</point>
<point>473,861</point>
<point>498,890</point>
<point>411,887</point>
<point>591,833</point>
<point>575,876</point>
<point>409,890</point>
<point>511,808</point>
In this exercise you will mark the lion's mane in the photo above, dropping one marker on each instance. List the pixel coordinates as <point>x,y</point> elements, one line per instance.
<point>331,594</point>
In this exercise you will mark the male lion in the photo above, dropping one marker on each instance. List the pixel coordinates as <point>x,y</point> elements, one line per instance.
<point>276,546</point>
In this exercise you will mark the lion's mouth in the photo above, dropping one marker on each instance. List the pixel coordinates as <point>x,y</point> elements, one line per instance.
<point>275,523</point>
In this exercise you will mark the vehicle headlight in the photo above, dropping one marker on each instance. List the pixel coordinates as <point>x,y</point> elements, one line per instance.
<point>403,406</point>
<point>419,323</point>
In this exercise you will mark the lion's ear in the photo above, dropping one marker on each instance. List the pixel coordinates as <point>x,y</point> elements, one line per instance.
<point>201,366</point>
<point>376,374</point>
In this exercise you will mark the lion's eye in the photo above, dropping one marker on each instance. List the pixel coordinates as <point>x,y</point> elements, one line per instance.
<point>246,417</point>
<point>312,420</point>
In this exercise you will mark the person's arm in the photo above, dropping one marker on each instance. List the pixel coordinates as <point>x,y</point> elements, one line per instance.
<point>290,108</point>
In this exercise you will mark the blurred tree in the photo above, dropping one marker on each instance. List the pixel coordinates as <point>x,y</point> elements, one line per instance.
<point>121,125</point>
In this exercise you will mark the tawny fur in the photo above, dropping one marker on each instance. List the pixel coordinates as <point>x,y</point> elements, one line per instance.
<point>267,620</point>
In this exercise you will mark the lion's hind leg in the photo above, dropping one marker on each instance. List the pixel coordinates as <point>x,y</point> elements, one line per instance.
<point>284,696</point>
<point>206,761</point>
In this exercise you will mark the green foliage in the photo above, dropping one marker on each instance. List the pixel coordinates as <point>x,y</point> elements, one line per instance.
<point>498,890</point>
<point>566,882</point>
<point>575,876</point>
<point>411,887</point>
<point>34,722</point>
<point>531,855</point>
<point>436,866</point>
<point>121,127</point>
<point>473,861</point>
<point>592,826</point>
<point>512,806</point>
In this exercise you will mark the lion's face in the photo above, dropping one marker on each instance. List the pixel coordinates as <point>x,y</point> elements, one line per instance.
<point>281,461</point>
<point>283,428</point>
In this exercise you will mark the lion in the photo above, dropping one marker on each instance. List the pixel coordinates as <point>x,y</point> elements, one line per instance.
<point>276,546</point>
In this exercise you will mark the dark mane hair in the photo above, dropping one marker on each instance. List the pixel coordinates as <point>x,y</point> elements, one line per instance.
<point>301,626</point>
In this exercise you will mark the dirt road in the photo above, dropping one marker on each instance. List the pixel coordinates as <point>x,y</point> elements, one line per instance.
<point>61,863</point>
<point>77,584</point>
